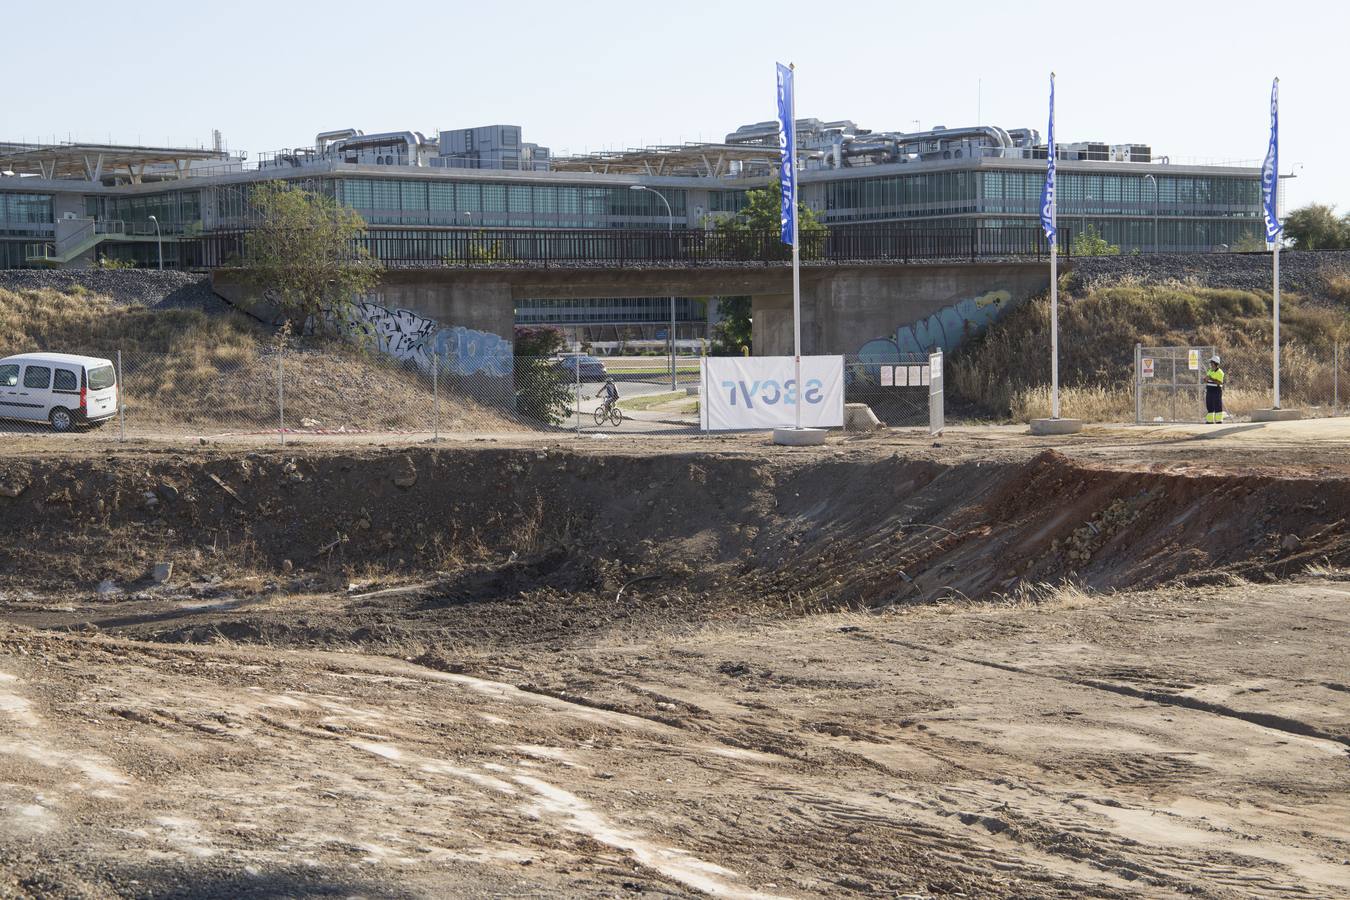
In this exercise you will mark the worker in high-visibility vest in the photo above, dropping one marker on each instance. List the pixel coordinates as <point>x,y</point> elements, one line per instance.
<point>1214,392</point>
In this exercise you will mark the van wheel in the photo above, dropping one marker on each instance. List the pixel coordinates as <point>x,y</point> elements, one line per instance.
<point>61,419</point>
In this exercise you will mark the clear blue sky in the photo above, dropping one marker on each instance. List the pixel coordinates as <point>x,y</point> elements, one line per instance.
<point>1191,79</point>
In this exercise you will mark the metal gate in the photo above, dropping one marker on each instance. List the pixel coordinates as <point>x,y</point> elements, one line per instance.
<point>937,411</point>
<point>903,392</point>
<point>1169,384</point>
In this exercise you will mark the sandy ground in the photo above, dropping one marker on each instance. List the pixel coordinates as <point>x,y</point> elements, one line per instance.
<point>1160,744</point>
<point>521,729</point>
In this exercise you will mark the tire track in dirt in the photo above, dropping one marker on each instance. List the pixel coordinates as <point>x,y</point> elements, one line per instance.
<point>1271,721</point>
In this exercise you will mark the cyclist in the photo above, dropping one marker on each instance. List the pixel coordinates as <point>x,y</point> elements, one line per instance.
<point>611,394</point>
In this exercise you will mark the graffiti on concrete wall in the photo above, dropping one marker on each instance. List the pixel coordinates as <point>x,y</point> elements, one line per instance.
<point>943,330</point>
<point>398,332</point>
<point>405,335</point>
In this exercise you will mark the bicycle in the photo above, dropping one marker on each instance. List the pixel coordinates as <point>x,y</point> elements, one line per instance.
<point>609,410</point>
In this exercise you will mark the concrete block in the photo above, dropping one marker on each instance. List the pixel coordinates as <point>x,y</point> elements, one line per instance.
<point>1056,426</point>
<point>1276,415</point>
<point>859,417</point>
<point>799,437</point>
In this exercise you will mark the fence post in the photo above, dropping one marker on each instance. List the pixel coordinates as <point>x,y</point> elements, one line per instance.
<point>121,402</point>
<point>281,395</point>
<point>1336,377</point>
<point>577,360</point>
<point>1138,385</point>
<point>703,387</point>
<point>435,397</point>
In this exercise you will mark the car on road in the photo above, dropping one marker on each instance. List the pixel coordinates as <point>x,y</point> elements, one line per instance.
<point>592,369</point>
<point>61,389</point>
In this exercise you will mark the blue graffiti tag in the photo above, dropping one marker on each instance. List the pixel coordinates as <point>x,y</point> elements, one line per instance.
<point>943,330</point>
<point>468,351</point>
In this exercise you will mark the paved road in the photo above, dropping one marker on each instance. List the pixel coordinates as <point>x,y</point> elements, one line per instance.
<point>636,421</point>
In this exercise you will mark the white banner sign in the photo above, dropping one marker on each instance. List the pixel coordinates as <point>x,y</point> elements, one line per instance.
<point>741,392</point>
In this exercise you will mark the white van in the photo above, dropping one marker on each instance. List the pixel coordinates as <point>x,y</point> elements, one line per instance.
<point>59,388</point>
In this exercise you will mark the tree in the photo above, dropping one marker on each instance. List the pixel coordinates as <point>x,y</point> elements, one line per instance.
<point>1249,242</point>
<point>733,332</point>
<point>1089,243</point>
<point>303,254</point>
<point>543,388</point>
<point>1316,227</point>
<point>753,232</point>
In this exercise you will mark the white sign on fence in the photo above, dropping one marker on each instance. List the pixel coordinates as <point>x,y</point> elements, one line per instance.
<point>743,392</point>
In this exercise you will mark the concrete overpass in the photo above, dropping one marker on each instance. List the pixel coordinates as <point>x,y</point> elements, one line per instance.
<point>873,309</point>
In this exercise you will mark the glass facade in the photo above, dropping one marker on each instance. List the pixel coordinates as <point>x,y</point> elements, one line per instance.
<point>427,218</point>
<point>1185,212</point>
<point>13,254</point>
<point>727,201</point>
<point>1082,193</point>
<point>495,205</point>
<point>230,203</point>
<point>619,310</point>
<point>900,196</point>
<point>177,212</point>
<point>26,214</point>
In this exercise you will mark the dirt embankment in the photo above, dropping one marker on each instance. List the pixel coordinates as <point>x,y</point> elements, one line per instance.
<point>563,543</point>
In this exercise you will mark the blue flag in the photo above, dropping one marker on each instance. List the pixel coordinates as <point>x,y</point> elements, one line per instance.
<point>1048,192</point>
<point>787,143</point>
<point>1270,170</point>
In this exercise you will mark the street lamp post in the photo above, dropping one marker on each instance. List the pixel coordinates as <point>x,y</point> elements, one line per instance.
<point>670,218</point>
<point>1149,177</point>
<point>159,239</point>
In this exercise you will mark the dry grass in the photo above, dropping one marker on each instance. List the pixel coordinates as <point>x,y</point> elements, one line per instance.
<point>81,322</point>
<point>1338,289</point>
<point>1006,373</point>
<point>184,368</point>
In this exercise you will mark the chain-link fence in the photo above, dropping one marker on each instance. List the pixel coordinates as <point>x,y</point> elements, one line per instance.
<point>274,393</point>
<point>898,390</point>
<point>277,393</point>
<point>651,394</point>
<point>1169,382</point>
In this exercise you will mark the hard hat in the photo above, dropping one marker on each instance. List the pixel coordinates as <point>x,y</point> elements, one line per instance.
<point>1214,359</point>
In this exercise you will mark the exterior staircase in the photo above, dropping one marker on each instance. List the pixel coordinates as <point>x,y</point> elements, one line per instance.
<point>74,244</point>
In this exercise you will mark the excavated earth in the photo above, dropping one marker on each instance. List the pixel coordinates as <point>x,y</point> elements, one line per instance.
<point>875,669</point>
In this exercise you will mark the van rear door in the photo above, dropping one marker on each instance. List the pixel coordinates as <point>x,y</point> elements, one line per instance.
<point>100,391</point>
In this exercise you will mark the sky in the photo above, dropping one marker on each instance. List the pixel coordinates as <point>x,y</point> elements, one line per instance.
<point>1191,79</point>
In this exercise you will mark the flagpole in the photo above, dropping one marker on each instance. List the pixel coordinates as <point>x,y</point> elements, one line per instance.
<point>1270,210</point>
<point>1275,257</point>
<point>1054,267</point>
<point>1275,262</point>
<point>1054,327</point>
<point>1049,224</point>
<point>796,258</point>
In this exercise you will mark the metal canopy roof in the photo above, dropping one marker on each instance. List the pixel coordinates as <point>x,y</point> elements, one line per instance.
<point>690,159</point>
<point>94,162</point>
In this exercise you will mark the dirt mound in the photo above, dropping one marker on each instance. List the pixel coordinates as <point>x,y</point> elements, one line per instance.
<point>546,545</point>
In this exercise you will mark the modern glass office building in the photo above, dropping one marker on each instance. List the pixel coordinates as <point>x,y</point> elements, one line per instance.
<point>1135,206</point>
<point>67,205</point>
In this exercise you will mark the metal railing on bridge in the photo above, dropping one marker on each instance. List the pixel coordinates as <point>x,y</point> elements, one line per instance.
<point>613,247</point>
